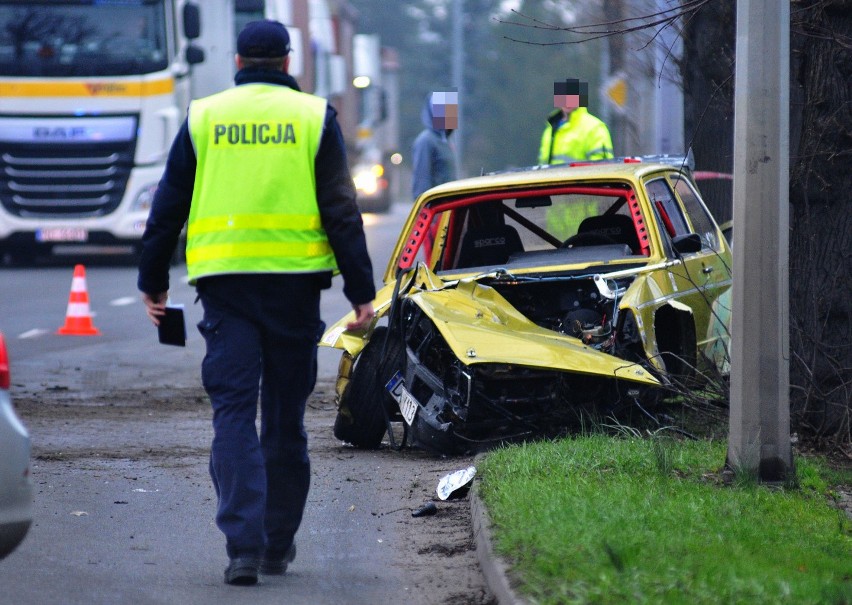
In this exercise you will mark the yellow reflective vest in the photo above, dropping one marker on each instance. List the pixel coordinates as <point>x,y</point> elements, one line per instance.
<point>579,138</point>
<point>254,206</point>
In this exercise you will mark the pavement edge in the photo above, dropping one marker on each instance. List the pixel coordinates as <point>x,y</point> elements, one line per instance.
<point>493,567</point>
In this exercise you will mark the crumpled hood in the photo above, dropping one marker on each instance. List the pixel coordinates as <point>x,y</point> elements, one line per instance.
<point>480,326</point>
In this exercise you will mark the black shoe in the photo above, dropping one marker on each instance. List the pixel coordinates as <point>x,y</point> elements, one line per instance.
<point>242,571</point>
<point>276,565</point>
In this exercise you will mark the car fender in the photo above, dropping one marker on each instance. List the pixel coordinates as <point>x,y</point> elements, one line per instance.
<point>353,341</point>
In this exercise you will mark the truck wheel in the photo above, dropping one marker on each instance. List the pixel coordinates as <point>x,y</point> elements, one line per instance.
<point>360,419</point>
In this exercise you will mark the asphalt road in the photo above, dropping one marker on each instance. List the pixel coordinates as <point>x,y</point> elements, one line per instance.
<point>124,507</point>
<point>33,303</point>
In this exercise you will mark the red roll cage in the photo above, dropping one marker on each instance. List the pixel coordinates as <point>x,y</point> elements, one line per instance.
<point>427,214</point>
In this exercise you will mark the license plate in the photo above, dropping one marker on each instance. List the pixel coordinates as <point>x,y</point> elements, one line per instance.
<point>407,403</point>
<point>62,234</point>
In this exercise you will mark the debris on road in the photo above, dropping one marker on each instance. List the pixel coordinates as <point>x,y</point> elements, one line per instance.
<point>456,484</point>
<point>428,509</point>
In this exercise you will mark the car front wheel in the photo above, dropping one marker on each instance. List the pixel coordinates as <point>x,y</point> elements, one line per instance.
<point>361,420</point>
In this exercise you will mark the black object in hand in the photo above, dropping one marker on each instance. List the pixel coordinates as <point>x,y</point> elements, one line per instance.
<point>172,328</point>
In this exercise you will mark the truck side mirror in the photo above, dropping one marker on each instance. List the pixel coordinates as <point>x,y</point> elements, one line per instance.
<point>194,54</point>
<point>191,21</point>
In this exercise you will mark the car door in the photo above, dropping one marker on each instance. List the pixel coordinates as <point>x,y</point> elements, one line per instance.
<point>699,276</point>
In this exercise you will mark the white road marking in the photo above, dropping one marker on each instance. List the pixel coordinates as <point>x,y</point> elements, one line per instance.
<point>123,301</point>
<point>33,333</point>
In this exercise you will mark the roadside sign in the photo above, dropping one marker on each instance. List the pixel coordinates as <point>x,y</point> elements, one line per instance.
<point>615,92</point>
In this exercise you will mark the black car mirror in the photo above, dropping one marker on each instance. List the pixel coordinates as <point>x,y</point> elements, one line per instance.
<point>687,244</point>
<point>535,201</point>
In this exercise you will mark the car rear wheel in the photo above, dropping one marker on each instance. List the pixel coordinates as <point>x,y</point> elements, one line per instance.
<point>361,419</point>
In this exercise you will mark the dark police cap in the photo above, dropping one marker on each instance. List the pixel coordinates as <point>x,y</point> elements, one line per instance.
<point>263,40</point>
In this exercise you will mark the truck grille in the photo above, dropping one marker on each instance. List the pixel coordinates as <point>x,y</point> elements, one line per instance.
<point>64,180</point>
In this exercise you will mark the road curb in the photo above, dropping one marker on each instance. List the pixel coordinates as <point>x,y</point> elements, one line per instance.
<point>493,568</point>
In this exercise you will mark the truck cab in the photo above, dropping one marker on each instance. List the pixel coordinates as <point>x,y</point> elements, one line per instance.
<point>92,93</point>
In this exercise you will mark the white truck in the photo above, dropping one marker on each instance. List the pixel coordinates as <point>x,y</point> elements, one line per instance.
<point>92,93</point>
<point>374,171</point>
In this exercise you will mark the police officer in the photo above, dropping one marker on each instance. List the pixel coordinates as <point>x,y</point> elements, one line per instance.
<point>572,133</point>
<point>259,175</point>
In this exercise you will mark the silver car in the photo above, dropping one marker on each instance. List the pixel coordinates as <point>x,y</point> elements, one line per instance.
<point>16,490</point>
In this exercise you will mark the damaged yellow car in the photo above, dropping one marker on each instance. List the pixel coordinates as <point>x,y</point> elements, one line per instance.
<point>548,293</point>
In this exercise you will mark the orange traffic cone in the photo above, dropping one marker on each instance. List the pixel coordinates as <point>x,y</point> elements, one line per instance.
<point>78,319</point>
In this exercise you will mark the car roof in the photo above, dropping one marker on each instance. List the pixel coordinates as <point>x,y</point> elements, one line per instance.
<point>537,176</point>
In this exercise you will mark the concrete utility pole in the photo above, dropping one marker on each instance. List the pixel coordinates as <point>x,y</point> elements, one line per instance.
<point>759,439</point>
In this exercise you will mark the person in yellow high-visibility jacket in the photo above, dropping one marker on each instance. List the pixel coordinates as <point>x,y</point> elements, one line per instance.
<point>573,134</point>
<point>258,173</point>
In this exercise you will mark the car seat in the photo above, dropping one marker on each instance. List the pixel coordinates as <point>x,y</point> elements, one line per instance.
<point>490,245</point>
<point>617,227</point>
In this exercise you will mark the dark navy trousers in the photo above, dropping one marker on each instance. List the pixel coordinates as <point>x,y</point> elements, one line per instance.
<point>261,333</point>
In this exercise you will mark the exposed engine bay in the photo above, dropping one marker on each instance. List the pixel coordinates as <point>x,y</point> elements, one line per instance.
<point>585,308</point>
<point>467,406</point>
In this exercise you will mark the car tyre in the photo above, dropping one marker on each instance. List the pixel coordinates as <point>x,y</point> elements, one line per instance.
<point>364,425</point>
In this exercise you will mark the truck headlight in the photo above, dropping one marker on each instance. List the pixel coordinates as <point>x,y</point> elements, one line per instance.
<point>144,199</point>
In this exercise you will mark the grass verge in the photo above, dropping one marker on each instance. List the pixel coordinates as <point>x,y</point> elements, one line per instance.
<point>599,519</point>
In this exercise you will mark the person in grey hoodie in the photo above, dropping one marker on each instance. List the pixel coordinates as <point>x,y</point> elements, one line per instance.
<point>432,154</point>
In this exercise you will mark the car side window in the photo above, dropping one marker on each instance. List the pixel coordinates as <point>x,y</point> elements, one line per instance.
<point>702,223</point>
<point>668,210</point>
